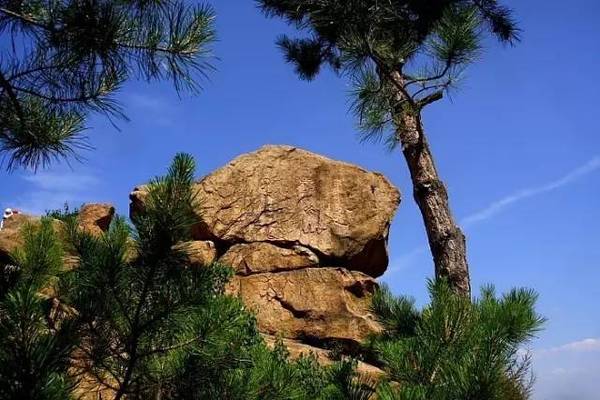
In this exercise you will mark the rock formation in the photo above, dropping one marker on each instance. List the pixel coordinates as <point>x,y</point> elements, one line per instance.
<point>287,196</point>
<point>306,236</point>
<point>93,218</point>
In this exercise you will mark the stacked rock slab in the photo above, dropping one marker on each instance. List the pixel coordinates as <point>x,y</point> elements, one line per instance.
<point>306,236</point>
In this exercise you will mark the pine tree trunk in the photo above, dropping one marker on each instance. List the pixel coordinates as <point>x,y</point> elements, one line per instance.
<point>446,240</point>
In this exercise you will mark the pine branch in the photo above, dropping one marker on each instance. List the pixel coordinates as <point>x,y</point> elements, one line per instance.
<point>25,19</point>
<point>13,98</point>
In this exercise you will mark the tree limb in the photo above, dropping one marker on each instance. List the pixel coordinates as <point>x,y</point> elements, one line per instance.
<point>24,18</point>
<point>13,97</point>
<point>433,97</point>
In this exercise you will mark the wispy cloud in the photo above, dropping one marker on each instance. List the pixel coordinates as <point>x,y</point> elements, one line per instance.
<point>585,345</point>
<point>496,207</point>
<point>50,190</point>
<point>405,260</point>
<point>499,205</point>
<point>568,372</point>
<point>162,112</point>
<point>60,181</point>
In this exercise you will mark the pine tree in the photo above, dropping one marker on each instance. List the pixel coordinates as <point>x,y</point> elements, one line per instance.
<point>456,348</point>
<point>34,352</point>
<point>271,375</point>
<point>143,310</point>
<point>131,317</point>
<point>401,55</point>
<point>67,58</point>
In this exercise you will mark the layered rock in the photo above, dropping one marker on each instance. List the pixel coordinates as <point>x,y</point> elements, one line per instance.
<point>284,195</point>
<point>306,236</point>
<point>255,258</point>
<point>314,305</point>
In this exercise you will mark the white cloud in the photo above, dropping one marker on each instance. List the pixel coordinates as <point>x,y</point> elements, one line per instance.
<point>163,114</point>
<point>568,372</point>
<point>60,181</point>
<point>50,190</point>
<point>499,205</point>
<point>404,260</point>
<point>153,103</point>
<point>585,345</point>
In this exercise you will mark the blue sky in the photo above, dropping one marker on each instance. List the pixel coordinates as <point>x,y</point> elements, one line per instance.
<point>518,146</point>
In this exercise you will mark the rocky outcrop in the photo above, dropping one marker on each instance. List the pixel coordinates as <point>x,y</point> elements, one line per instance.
<point>314,305</point>
<point>306,236</point>
<point>287,196</point>
<point>95,218</point>
<point>256,258</point>
<point>92,218</point>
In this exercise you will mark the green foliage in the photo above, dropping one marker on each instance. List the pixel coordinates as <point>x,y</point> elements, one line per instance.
<point>149,325</point>
<point>456,348</point>
<point>69,57</point>
<point>141,307</point>
<point>135,317</point>
<point>65,214</point>
<point>401,55</point>
<point>34,354</point>
<point>270,375</point>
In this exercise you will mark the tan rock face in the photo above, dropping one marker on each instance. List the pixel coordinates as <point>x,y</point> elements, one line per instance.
<point>254,258</point>
<point>313,304</point>
<point>92,218</point>
<point>282,194</point>
<point>95,218</point>
<point>10,235</point>
<point>306,235</point>
<point>200,253</point>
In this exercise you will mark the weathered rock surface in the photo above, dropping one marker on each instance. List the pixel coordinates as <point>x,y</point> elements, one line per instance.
<point>200,252</point>
<point>305,235</point>
<point>315,305</point>
<point>10,235</point>
<point>282,194</point>
<point>92,218</point>
<point>95,218</point>
<point>255,258</point>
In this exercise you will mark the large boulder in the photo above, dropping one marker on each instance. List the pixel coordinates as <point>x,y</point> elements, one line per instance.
<point>315,305</point>
<point>254,258</point>
<point>305,235</point>
<point>285,195</point>
<point>95,218</point>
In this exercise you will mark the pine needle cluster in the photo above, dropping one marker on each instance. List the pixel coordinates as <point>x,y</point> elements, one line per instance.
<point>67,58</point>
<point>399,54</point>
<point>455,348</point>
<point>34,353</point>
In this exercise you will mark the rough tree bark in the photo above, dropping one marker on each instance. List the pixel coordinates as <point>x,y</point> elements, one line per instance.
<point>446,240</point>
